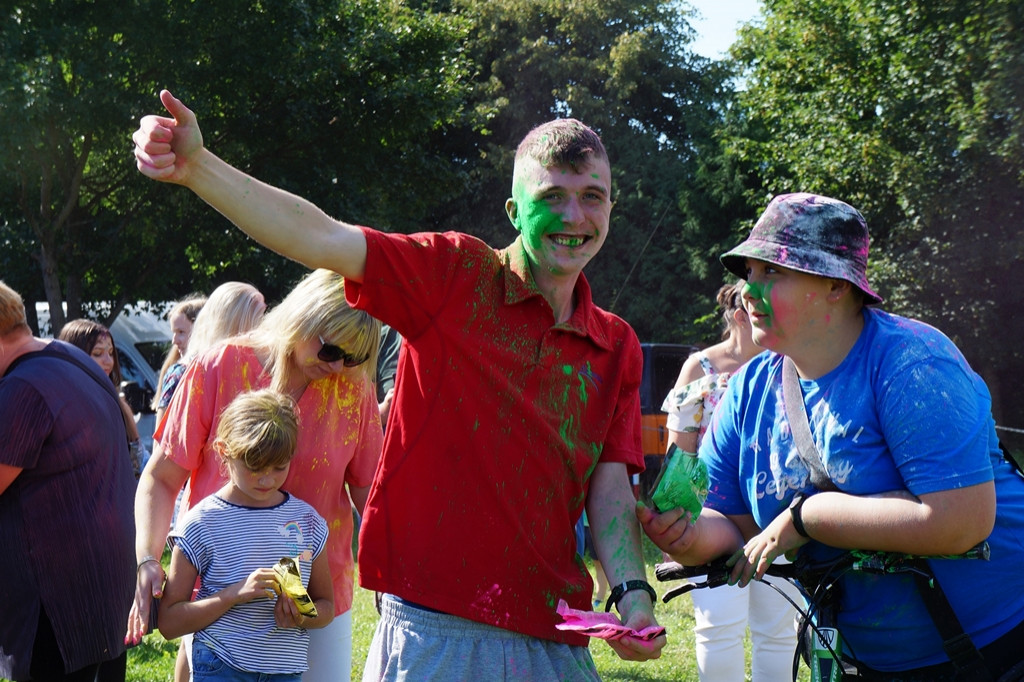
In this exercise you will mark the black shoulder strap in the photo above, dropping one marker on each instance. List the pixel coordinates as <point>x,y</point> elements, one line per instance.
<point>957,644</point>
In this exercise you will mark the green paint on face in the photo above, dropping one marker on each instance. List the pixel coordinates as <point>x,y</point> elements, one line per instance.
<point>534,217</point>
<point>761,293</point>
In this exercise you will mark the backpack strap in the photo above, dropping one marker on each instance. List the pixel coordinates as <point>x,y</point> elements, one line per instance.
<point>957,644</point>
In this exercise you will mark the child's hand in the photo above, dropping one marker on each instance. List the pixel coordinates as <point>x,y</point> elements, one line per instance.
<point>261,584</point>
<point>286,613</point>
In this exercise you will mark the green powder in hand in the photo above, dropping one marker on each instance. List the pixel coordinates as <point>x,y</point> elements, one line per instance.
<point>683,482</point>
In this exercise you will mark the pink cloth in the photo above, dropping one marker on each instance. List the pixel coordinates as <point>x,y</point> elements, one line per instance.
<point>601,625</point>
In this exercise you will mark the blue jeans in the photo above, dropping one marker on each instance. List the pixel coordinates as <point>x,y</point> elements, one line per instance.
<point>206,667</point>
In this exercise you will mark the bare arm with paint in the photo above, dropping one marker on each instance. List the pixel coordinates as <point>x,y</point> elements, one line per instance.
<point>691,544</point>
<point>171,150</point>
<point>617,541</point>
<point>943,522</point>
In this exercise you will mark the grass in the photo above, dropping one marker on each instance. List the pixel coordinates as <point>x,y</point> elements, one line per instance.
<point>153,660</point>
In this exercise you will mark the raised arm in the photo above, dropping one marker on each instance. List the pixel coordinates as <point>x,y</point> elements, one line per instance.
<point>171,150</point>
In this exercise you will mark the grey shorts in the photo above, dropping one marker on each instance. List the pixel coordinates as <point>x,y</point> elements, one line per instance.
<point>412,643</point>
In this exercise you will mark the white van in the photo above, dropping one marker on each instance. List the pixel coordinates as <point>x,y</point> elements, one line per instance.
<point>142,340</point>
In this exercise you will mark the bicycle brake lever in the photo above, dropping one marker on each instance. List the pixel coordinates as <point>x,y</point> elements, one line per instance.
<point>715,579</point>
<point>678,591</point>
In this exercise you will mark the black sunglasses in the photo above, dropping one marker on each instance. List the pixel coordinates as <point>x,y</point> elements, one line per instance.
<point>330,353</point>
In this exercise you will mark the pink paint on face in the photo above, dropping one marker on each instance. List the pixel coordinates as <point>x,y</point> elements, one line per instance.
<point>783,304</point>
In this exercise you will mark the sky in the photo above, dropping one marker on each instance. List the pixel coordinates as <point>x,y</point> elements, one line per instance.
<point>717,30</point>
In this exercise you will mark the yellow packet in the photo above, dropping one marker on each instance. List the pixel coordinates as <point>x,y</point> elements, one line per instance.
<point>288,576</point>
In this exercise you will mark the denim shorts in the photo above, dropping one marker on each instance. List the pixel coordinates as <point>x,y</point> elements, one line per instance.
<point>206,667</point>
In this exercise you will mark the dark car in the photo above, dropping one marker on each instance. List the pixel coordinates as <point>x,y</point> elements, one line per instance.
<point>662,362</point>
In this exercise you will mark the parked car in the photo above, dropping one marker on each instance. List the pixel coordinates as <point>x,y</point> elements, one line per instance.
<point>662,362</point>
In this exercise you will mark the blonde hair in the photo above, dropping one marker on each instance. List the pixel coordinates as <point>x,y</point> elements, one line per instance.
<point>259,429</point>
<point>12,310</point>
<point>316,307</point>
<point>232,309</point>
<point>189,307</point>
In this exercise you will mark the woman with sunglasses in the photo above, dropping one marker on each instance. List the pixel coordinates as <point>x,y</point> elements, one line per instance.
<point>316,349</point>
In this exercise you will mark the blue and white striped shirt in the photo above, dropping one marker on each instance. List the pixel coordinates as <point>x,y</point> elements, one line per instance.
<point>226,543</point>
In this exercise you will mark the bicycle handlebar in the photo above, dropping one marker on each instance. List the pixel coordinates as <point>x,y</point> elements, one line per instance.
<point>717,571</point>
<point>816,581</point>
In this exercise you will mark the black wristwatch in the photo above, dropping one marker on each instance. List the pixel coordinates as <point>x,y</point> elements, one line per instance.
<point>620,590</point>
<point>795,511</point>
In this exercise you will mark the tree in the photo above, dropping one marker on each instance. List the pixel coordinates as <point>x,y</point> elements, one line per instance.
<point>336,100</point>
<point>910,111</point>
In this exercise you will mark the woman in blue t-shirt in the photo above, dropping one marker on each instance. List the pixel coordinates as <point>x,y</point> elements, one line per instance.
<point>903,430</point>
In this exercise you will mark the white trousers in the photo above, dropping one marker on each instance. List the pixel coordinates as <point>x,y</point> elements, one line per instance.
<point>722,615</point>
<point>330,651</point>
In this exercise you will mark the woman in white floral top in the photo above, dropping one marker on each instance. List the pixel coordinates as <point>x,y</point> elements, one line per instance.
<point>721,615</point>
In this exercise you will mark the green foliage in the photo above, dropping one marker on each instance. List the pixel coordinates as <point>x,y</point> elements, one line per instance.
<point>911,112</point>
<point>400,115</point>
<point>405,115</point>
<point>337,100</point>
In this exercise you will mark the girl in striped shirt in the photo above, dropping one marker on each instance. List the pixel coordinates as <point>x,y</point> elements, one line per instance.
<point>245,627</point>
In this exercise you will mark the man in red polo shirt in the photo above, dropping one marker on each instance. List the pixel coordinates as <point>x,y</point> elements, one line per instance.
<point>516,403</point>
